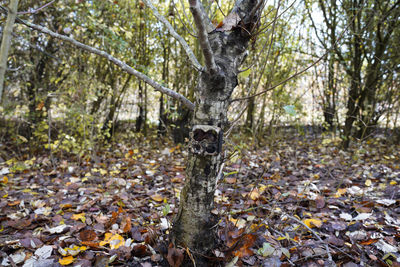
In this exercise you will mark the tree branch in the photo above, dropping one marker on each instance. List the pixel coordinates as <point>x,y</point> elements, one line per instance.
<point>200,19</point>
<point>119,63</point>
<point>34,11</point>
<point>179,38</point>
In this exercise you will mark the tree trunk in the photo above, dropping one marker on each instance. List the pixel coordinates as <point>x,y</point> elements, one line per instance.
<point>140,117</point>
<point>355,83</point>
<point>6,41</point>
<point>193,225</point>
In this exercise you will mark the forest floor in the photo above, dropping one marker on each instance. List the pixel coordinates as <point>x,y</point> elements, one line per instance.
<point>298,202</point>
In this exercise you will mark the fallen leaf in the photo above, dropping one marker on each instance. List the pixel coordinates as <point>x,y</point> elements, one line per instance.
<point>313,223</point>
<point>254,194</point>
<point>115,241</point>
<point>362,216</point>
<point>230,180</point>
<point>126,224</point>
<point>340,192</point>
<point>320,202</point>
<point>79,216</point>
<point>157,198</point>
<point>346,216</point>
<point>244,245</point>
<point>385,247</point>
<point>58,229</point>
<point>44,252</point>
<point>87,235</point>
<point>386,202</point>
<point>66,260</point>
<point>175,256</point>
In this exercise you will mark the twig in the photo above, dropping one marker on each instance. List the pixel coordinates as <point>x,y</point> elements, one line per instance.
<point>330,263</point>
<point>183,23</point>
<point>34,11</point>
<point>179,38</point>
<point>302,71</point>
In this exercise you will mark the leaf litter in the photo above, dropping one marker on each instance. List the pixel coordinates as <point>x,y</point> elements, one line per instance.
<point>302,202</point>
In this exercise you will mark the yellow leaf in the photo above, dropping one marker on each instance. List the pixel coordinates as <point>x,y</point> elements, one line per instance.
<point>23,139</point>
<point>157,198</point>
<point>239,223</point>
<point>65,206</point>
<point>66,260</point>
<point>116,241</point>
<point>368,182</point>
<point>75,250</point>
<point>4,180</point>
<point>107,237</point>
<point>262,188</point>
<point>312,223</point>
<point>393,182</point>
<point>340,192</point>
<point>79,216</point>
<point>254,194</point>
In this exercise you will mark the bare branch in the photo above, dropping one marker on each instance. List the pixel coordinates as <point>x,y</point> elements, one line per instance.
<point>200,19</point>
<point>119,63</point>
<point>179,38</point>
<point>303,70</point>
<point>34,11</point>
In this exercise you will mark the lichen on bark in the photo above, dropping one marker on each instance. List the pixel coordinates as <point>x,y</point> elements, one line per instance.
<point>193,226</point>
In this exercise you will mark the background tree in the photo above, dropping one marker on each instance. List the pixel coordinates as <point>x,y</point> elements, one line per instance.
<point>6,41</point>
<point>365,57</point>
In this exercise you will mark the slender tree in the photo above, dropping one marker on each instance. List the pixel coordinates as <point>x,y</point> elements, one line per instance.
<point>6,41</point>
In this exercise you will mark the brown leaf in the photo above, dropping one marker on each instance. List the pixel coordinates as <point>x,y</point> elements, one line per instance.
<point>244,244</point>
<point>14,203</point>
<point>368,242</point>
<point>157,197</point>
<point>335,241</point>
<point>230,22</point>
<point>140,251</point>
<point>40,106</point>
<point>150,237</point>
<point>91,244</point>
<point>20,224</point>
<point>230,180</point>
<point>126,224</point>
<point>175,256</point>
<point>87,235</point>
<point>320,202</point>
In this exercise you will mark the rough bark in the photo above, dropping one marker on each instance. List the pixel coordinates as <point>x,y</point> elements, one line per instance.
<point>355,75</point>
<point>193,225</point>
<point>6,41</point>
